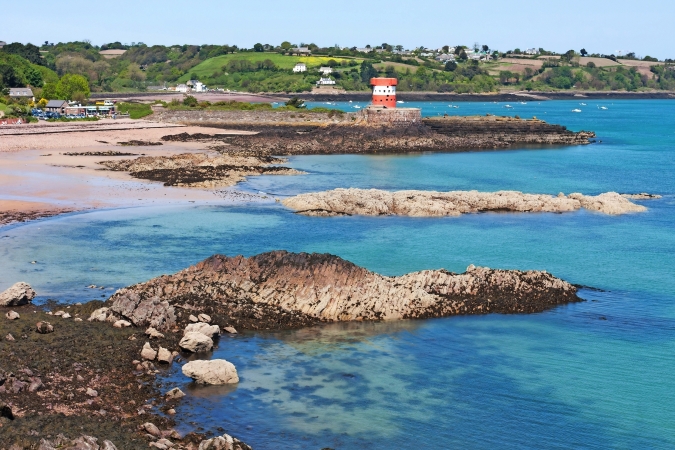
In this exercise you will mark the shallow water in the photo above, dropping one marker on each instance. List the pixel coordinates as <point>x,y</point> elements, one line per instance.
<point>596,374</point>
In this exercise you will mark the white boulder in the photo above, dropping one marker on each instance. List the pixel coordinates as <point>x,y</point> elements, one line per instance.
<point>99,315</point>
<point>215,371</point>
<point>19,294</point>
<point>12,315</point>
<point>203,328</point>
<point>196,342</point>
<point>148,352</point>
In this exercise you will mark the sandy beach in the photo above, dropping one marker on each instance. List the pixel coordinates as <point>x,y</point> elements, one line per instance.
<point>38,179</point>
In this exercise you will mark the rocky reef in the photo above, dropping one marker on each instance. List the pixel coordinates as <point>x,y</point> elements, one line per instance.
<point>375,202</point>
<point>199,169</point>
<point>286,290</point>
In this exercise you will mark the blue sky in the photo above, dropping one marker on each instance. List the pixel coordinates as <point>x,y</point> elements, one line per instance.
<point>601,26</point>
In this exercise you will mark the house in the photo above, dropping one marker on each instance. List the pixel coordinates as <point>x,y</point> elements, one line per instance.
<point>325,70</point>
<point>301,51</point>
<point>364,49</point>
<point>300,67</point>
<point>57,106</point>
<point>21,93</point>
<point>2,44</point>
<point>445,58</point>
<point>196,86</point>
<point>325,82</point>
<point>531,51</point>
<point>182,88</point>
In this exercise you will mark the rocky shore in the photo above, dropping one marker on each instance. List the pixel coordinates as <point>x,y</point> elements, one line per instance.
<point>199,169</point>
<point>286,290</point>
<point>375,202</point>
<point>349,134</point>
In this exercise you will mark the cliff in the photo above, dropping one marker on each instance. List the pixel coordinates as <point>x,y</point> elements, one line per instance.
<point>282,290</point>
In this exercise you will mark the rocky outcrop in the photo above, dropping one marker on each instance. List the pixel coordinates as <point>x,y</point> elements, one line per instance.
<point>199,169</point>
<point>375,202</point>
<point>151,312</point>
<point>283,290</point>
<point>215,371</point>
<point>19,294</point>
<point>82,443</point>
<point>224,442</point>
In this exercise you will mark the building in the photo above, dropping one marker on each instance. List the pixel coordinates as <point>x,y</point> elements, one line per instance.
<point>182,88</point>
<point>196,86</point>
<point>384,92</point>
<point>531,51</point>
<point>326,70</point>
<point>19,93</point>
<point>445,57</point>
<point>57,106</point>
<point>364,49</point>
<point>325,82</point>
<point>300,67</point>
<point>2,44</point>
<point>301,51</point>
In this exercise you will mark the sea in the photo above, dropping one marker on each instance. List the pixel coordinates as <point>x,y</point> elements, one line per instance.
<point>597,374</point>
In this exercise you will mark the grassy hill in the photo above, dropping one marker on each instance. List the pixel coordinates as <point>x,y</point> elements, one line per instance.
<point>206,69</point>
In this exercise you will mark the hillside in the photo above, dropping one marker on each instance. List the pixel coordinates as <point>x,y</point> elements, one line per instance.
<point>16,71</point>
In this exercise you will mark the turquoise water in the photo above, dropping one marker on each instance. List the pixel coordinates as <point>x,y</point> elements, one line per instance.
<point>597,374</point>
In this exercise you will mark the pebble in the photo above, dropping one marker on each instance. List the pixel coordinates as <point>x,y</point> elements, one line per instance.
<point>77,319</point>
<point>44,327</point>
<point>193,319</point>
<point>91,392</point>
<point>204,318</point>
<point>230,330</point>
<point>9,337</point>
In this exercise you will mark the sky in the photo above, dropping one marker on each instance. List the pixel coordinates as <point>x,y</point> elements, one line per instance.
<point>599,26</point>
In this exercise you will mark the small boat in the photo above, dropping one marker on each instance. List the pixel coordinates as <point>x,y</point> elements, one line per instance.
<point>357,107</point>
<point>523,103</point>
<point>400,101</point>
<point>576,110</point>
<point>603,107</point>
<point>350,101</point>
<point>455,107</point>
<point>582,104</point>
<point>508,106</point>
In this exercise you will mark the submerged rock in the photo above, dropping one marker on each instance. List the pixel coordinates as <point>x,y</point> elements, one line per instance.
<point>18,294</point>
<point>215,371</point>
<point>375,202</point>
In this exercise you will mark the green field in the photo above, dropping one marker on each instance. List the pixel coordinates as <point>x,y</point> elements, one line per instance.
<point>208,67</point>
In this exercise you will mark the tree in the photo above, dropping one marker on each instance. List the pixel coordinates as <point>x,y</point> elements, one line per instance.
<point>583,52</point>
<point>190,101</point>
<point>590,65</point>
<point>399,48</point>
<point>70,84</point>
<point>450,66</point>
<point>367,71</point>
<point>286,45</point>
<point>486,48</point>
<point>295,102</point>
<point>462,55</point>
<point>34,77</point>
<point>446,48</point>
<point>9,77</point>
<point>258,47</point>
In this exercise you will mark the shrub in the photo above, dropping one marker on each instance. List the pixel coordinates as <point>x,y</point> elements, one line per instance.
<point>190,101</point>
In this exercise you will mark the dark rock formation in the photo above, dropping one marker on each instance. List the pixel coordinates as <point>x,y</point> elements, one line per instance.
<point>287,290</point>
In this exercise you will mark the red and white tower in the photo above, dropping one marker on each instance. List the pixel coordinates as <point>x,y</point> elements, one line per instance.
<point>384,92</point>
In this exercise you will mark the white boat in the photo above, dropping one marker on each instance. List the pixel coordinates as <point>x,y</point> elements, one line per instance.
<point>523,103</point>
<point>576,110</point>
<point>350,101</point>
<point>400,101</point>
<point>603,107</point>
<point>508,106</point>
<point>357,107</point>
<point>455,106</point>
<point>582,104</point>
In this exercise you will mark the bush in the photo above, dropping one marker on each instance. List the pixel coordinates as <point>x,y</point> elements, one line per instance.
<point>190,101</point>
<point>590,65</point>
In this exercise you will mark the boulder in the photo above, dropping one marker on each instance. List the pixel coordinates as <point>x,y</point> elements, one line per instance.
<point>203,328</point>
<point>19,294</point>
<point>215,371</point>
<point>164,355</point>
<point>44,327</point>
<point>107,445</point>
<point>148,352</point>
<point>230,330</point>
<point>140,311</point>
<point>66,316</point>
<point>196,342</point>
<point>204,318</point>
<point>174,394</point>
<point>99,315</point>
<point>193,319</point>
<point>153,333</point>
<point>12,315</point>
<point>122,324</point>
<point>151,429</point>
<point>224,442</point>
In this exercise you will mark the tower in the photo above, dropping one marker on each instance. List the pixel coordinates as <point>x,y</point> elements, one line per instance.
<point>384,92</point>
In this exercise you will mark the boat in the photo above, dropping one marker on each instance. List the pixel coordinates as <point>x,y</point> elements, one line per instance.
<point>582,104</point>
<point>603,107</point>
<point>455,106</point>
<point>508,106</point>
<point>576,110</point>
<point>400,101</point>
<point>523,103</point>
<point>357,107</point>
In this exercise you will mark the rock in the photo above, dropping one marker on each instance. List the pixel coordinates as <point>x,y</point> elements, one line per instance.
<point>374,202</point>
<point>44,327</point>
<point>215,371</point>
<point>641,196</point>
<point>91,392</point>
<point>35,384</point>
<point>100,315</point>
<point>107,445</point>
<point>193,319</point>
<point>196,342</point>
<point>9,337</point>
<point>153,333</point>
<point>204,318</point>
<point>167,443</point>
<point>77,319</point>
<point>164,355</point>
<point>148,352</point>
<point>66,316</point>
<point>84,443</point>
<point>224,442</point>
<point>19,294</point>
<point>230,330</point>
<point>203,328</point>
<point>122,324</point>
<point>6,411</point>
<point>12,315</point>
<point>142,311</point>
<point>158,445</point>
<point>59,313</point>
<point>281,289</point>
<point>174,394</point>
<point>151,429</point>
<point>171,412</point>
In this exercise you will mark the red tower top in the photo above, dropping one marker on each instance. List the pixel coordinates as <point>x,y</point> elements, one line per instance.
<point>384,92</point>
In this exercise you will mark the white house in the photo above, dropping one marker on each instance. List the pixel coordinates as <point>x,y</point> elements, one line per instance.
<point>325,82</point>
<point>326,70</point>
<point>198,86</point>
<point>182,88</point>
<point>2,44</point>
<point>531,51</point>
<point>445,57</point>
<point>300,51</point>
<point>300,67</point>
<point>24,92</point>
